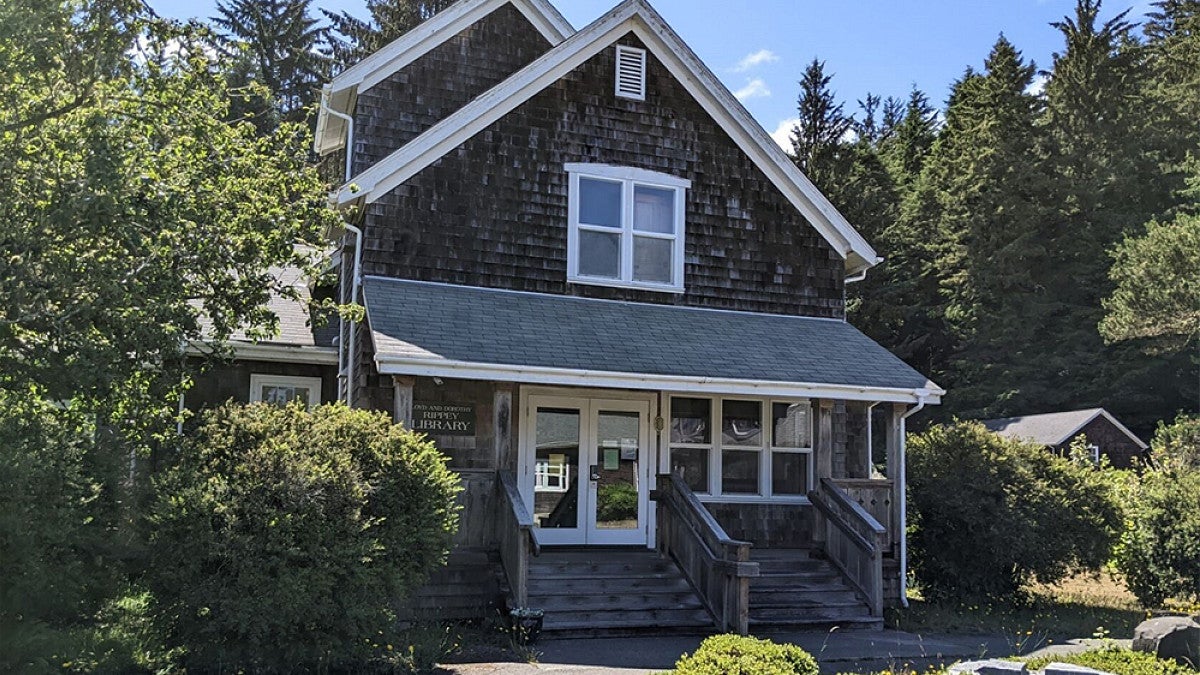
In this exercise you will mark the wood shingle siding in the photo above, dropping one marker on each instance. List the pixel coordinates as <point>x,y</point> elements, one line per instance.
<point>398,109</point>
<point>493,212</point>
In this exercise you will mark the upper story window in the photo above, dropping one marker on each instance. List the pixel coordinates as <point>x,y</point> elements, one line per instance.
<point>626,227</point>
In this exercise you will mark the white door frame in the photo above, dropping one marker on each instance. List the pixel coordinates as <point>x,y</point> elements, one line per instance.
<point>590,403</point>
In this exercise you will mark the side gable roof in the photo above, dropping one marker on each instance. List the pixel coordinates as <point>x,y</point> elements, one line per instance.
<point>641,19</point>
<point>1055,428</point>
<point>340,94</point>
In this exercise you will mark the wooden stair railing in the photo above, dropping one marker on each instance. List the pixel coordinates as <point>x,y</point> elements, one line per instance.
<point>517,538</point>
<point>719,568</point>
<point>854,541</point>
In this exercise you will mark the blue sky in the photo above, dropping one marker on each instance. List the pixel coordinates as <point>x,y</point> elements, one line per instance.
<point>760,47</point>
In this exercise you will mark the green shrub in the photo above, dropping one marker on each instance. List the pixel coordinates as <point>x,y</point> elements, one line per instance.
<point>282,537</point>
<point>737,655</point>
<point>1177,445</point>
<point>1116,661</point>
<point>989,514</point>
<point>1159,554</point>
<point>54,562</point>
<point>618,501</point>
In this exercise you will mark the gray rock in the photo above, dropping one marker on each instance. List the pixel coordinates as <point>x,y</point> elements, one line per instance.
<point>1169,637</point>
<point>989,667</point>
<point>1071,669</point>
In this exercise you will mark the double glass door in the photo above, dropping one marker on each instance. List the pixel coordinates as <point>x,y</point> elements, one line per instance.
<point>586,464</point>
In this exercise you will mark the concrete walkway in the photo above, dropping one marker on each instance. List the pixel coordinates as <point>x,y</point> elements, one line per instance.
<point>837,652</point>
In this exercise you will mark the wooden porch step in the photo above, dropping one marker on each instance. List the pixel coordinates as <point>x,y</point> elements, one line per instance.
<point>805,598</point>
<point>798,590</point>
<point>613,591</point>
<point>784,580</point>
<point>758,626</point>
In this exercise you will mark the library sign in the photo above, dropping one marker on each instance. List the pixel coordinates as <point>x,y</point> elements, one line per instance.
<point>443,419</point>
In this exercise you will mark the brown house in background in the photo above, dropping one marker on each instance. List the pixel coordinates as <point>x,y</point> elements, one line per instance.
<point>1057,431</point>
<point>618,308</point>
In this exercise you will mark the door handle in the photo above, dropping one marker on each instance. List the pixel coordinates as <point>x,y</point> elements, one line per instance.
<point>595,471</point>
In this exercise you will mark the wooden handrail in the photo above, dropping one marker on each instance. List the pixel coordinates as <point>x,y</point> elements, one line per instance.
<point>517,537</point>
<point>716,565</point>
<point>854,541</point>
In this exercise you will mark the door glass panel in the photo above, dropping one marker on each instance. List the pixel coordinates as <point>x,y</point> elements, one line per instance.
<point>556,469</point>
<point>618,458</point>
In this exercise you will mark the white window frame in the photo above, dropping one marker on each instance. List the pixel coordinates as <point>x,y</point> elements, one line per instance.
<point>260,380</point>
<point>629,178</point>
<point>545,471</point>
<point>765,448</point>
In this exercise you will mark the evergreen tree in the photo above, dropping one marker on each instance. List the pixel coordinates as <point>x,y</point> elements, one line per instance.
<point>974,217</point>
<point>275,44</point>
<point>905,150</point>
<point>389,19</point>
<point>819,138</point>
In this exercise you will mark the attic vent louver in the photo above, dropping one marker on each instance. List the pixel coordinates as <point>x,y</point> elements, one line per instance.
<point>631,73</point>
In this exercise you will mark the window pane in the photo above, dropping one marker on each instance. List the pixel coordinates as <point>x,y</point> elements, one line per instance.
<point>599,202</point>
<point>599,254</point>
<point>653,209</point>
<point>739,472</point>
<point>690,420</point>
<point>742,423</point>
<point>790,425</point>
<point>652,259</point>
<point>283,395</point>
<point>556,476</point>
<point>691,464</point>
<point>789,473</point>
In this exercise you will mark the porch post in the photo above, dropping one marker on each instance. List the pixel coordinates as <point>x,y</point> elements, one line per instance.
<point>502,422</point>
<point>824,440</point>
<point>895,472</point>
<point>403,394</point>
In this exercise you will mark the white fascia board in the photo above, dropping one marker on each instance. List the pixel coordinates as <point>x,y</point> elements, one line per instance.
<point>1106,415</point>
<point>250,351</point>
<point>406,365</point>
<point>638,17</point>
<point>344,89</point>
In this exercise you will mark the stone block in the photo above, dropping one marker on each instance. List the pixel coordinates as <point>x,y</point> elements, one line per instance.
<point>989,667</point>
<point>1169,637</point>
<point>1071,669</point>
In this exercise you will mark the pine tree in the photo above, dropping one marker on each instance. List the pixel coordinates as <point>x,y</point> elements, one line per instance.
<point>389,19</point>
<point>276,44</point>
<point>975,214</point>
<point>819,138</point>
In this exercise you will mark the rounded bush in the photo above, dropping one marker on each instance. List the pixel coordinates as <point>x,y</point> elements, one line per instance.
<point>1159,554</point>
<point>989,514</point>
<point>282,537</point>
<point>737,655</point>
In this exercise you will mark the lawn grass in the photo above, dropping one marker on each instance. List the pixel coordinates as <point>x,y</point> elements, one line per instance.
<point>1080,607</point>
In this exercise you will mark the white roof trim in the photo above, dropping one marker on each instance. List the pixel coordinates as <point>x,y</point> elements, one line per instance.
<point>638,17</point>
<point>343,89</point>
<point>251,351</point>
<point>1101,412</point>
<point>390,364</point>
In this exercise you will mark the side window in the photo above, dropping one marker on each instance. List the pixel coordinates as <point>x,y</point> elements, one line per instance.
<point>283,389</point>
<point>626,227</point>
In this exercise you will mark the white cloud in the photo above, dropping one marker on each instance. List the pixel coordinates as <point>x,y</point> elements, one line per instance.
<point>1038,85</point>
<point>783,133</point>
<point>756,59</point>
<point>756,88</point>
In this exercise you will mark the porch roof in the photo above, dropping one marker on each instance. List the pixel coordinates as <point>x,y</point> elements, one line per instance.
<point>422,328</point>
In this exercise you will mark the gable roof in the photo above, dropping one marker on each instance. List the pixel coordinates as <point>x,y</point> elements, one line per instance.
<point>443,330</point>
<point>1054,428</point>
<point>297,339</point>
<point>639,18</point>
<point>339,95</point>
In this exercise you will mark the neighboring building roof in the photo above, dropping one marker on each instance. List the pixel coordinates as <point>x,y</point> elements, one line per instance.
<point>297,339</point>
<point>1054,428</point>
<point>339,95</point>
<point>442,330</point>
<point>639,18</point>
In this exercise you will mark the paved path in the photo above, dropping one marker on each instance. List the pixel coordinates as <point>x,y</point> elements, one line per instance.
<point>837,651</point>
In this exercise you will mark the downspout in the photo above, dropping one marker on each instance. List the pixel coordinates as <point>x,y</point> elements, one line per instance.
<point>903,478</point>
<point>347,362</point>
<point>355,284</point>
